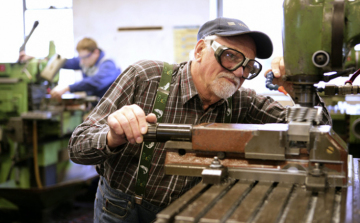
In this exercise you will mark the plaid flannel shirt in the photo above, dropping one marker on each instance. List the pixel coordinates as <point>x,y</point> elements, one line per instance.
<point>138,85</point>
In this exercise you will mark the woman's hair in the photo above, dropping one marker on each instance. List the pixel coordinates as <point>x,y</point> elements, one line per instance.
<point>86,44</point>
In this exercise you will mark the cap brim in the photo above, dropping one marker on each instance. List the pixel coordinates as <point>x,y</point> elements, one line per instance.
<point>264,47</point>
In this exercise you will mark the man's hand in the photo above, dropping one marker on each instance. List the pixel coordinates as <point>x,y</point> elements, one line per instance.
<point>278,68</point>
<point>58,91</point>
<point>23,57</point>
<point>128,124</point>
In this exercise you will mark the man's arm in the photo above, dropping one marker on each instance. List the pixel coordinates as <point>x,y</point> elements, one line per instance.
<point>88,143</point>
<point>73,63</point>
<point>116,122</point>
<point>59,90</point>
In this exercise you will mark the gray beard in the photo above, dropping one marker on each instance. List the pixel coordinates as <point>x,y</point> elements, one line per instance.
<point>223,88</point>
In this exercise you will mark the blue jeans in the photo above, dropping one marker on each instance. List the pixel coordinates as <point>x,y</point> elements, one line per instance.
<point>112,205</point>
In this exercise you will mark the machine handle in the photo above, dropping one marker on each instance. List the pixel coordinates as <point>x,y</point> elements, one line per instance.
<point>162,132</point>
<point>22,48</point>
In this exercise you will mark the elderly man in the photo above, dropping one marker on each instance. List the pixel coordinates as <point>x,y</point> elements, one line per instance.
<point>205,89</point>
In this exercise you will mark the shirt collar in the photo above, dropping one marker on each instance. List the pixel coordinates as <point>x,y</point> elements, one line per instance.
<point>188,89</point>
<point>101,55</point>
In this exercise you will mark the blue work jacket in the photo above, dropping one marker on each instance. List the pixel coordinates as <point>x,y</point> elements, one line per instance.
<point>97,79</point>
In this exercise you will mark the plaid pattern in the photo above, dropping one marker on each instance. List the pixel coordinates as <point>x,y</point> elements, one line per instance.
<point>138,85</point>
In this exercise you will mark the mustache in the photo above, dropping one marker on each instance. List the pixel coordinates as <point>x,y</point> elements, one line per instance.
<point>230,76</point>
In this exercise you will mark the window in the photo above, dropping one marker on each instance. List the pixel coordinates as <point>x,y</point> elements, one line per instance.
<point>12,30</point>
<point>265,16</point>
<point>55,24</point>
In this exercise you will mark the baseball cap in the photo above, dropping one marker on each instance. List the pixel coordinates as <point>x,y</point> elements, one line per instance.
<point>232,27</point>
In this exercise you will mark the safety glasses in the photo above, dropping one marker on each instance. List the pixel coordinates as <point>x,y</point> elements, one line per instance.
<point>231,60</point>
<point>86,56</point>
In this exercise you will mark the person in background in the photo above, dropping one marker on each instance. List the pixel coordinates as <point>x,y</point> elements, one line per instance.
<point>199,92</point>
<point>98,71</point>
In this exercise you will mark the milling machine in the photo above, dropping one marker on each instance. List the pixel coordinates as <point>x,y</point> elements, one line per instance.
<point>299,171</point>
<point>330,42</point>
<point>35,171</point>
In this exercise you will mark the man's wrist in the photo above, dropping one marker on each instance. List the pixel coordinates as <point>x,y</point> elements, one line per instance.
<point>111,144</point>
<point>67,88</point>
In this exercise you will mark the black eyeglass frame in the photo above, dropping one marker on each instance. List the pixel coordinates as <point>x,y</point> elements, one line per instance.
<point>219,49</point>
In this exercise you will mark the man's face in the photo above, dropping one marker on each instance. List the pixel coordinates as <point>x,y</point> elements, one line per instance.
<point>88,58</point>
<point>219,81</point>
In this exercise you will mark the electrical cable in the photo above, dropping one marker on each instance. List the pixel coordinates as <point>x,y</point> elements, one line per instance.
<point>352,79</point>
<point>35,154</point>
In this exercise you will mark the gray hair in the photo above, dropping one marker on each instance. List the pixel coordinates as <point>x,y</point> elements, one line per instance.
<point>208,39</point>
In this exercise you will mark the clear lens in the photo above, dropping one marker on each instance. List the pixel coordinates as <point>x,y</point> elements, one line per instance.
<point>252,69</point>
<point>231,59</point>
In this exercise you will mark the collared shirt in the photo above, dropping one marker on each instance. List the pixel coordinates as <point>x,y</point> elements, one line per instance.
<point>138,85</point>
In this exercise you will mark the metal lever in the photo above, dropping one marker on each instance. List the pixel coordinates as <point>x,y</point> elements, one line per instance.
<point>22,48</point>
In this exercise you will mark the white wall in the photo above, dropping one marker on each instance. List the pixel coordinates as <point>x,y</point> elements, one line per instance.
<point>100,19</point>
<point>267,18</point>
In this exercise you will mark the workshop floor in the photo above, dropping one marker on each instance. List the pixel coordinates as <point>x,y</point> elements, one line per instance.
<point>78,210</point>
<point>74,212</point>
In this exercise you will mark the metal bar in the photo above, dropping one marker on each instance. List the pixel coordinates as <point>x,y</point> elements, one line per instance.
<point>356,190</point>
<point>336,218</point>
<point>337,33</point>
<point>297,209</point>
<point>9,80</point>
<point>324,206</point>
<point>224,206</point>
<point>184,170</point>
<point>251,174</point>
<point>140,28</point>
<point>219,9</point>
<point>168,214</point>
<point>350,202</point>
<point>251,204</point>
<point>267,175</point>
<point>240,173</point>
<point>311,209</point>
<point>346,201</point>
<point>23,14</point>
<point>178,145</point>
<point>275,205</point>
<point>200,206</point>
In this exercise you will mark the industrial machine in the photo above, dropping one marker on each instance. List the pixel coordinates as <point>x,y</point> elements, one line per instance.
<point>35,171</point>
<point>299,171</point>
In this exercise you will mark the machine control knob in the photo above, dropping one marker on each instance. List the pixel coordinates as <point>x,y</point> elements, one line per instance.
<point>215,164</point>
<point>320,58</point>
